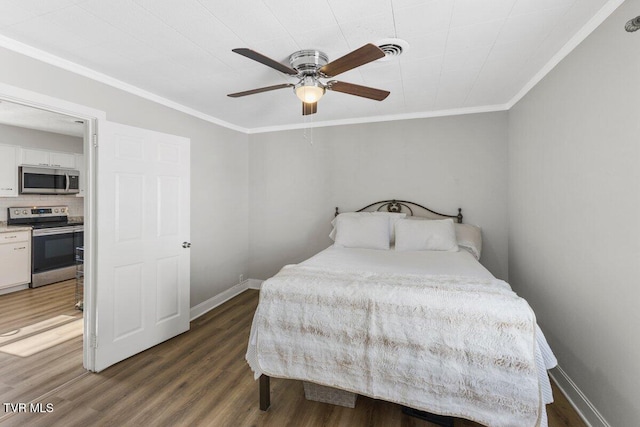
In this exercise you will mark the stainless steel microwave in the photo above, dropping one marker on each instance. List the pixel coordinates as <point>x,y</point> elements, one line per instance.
<point>35,180</point>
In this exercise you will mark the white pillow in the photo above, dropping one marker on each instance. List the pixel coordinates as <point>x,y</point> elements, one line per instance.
<point>393,217</point>
<point>469,237</point>
<point>364,231</point>
<point>433,235</point>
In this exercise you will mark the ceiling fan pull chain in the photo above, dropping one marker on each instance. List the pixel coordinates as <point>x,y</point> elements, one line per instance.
<point>308,130</point>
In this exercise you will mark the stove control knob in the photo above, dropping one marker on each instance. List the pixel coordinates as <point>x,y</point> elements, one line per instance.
<point>55,211</point>
<point>24,212</point>
<point>63,210</point>
<point>17,212</point>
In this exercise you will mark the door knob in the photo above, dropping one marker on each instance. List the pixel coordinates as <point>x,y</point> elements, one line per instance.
<point>186,245</point>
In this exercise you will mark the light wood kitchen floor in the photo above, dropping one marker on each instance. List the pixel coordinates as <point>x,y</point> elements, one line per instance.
<point>200,378</point>
<point>40,341</point>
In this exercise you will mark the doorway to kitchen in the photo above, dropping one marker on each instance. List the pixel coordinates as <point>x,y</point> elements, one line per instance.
<point>43,202</point>
<point>143,202</point>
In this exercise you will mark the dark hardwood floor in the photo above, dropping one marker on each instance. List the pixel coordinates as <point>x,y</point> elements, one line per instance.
<point>199,378</point>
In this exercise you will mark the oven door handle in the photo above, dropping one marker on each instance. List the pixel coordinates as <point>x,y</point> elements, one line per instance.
<point>53,231</point>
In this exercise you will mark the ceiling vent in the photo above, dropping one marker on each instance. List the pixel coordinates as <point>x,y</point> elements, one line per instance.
<point>633,25</point>
<point>392,48</point>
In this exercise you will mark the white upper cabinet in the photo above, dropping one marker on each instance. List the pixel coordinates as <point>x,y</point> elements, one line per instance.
<point>63,160</point>
<point>8,171</point>
<point>55,159</point>
<point>35,157</point>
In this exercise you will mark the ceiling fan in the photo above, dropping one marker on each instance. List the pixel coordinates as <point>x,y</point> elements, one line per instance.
<point>309,66</point>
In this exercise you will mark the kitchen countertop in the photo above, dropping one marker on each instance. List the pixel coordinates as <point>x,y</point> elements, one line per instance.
<point>75,220</point>
<point>4,228</point>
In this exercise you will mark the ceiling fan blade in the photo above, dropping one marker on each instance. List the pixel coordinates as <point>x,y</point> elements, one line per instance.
<point>309,108</point>
<point>252,54</point>
<point>259,90</point>
<point>357,90</point>
<point>358,57</point>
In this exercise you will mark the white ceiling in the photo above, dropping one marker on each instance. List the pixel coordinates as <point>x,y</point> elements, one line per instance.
<point>464,54</point>
<point>34,118</point>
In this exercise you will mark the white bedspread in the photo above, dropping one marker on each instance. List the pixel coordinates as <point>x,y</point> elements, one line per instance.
<point>318,336</point>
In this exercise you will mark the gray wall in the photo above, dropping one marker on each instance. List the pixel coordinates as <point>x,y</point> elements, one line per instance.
<point>574,204</point>
<point>31,138</point>
<point>219,158</point>
<point>443,163</point>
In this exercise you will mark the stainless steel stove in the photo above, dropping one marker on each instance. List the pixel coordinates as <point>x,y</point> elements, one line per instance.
<point>54,241</point>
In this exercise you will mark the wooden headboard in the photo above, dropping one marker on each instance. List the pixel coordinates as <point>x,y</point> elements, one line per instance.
<point>406,207</point>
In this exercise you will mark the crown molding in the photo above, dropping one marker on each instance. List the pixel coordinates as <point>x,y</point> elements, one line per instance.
<point>385,118</point>
<point>56,61</point>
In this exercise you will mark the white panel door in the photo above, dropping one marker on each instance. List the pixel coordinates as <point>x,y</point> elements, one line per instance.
<point>142,224</point>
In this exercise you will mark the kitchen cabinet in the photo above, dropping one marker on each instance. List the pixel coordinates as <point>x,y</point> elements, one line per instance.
<point>33,157</point>
<point>63,160</point>
<point>8,171</point>
<point>15,258</point>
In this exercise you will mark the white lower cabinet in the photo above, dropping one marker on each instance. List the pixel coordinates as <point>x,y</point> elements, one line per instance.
<point>15,258</point>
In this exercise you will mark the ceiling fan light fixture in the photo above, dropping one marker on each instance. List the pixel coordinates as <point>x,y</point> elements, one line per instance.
<point>309,90</point>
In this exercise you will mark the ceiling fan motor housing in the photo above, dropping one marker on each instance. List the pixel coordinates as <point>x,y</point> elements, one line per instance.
<point>308,62</point>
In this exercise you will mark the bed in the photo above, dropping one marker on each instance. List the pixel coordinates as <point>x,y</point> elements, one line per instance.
<point>414,320</point>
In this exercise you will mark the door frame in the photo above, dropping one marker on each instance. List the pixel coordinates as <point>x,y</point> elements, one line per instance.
<point>92,118</point>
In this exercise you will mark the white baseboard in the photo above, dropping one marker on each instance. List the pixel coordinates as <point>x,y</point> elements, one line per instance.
<point>254,283</point>
<point>577,398</point>
<point>219,299</point>
<point>223,297</point>
<point>14,289</point>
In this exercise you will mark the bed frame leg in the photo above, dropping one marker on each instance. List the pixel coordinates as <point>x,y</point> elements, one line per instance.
<point>265,393</point>
<point>439,420</point>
